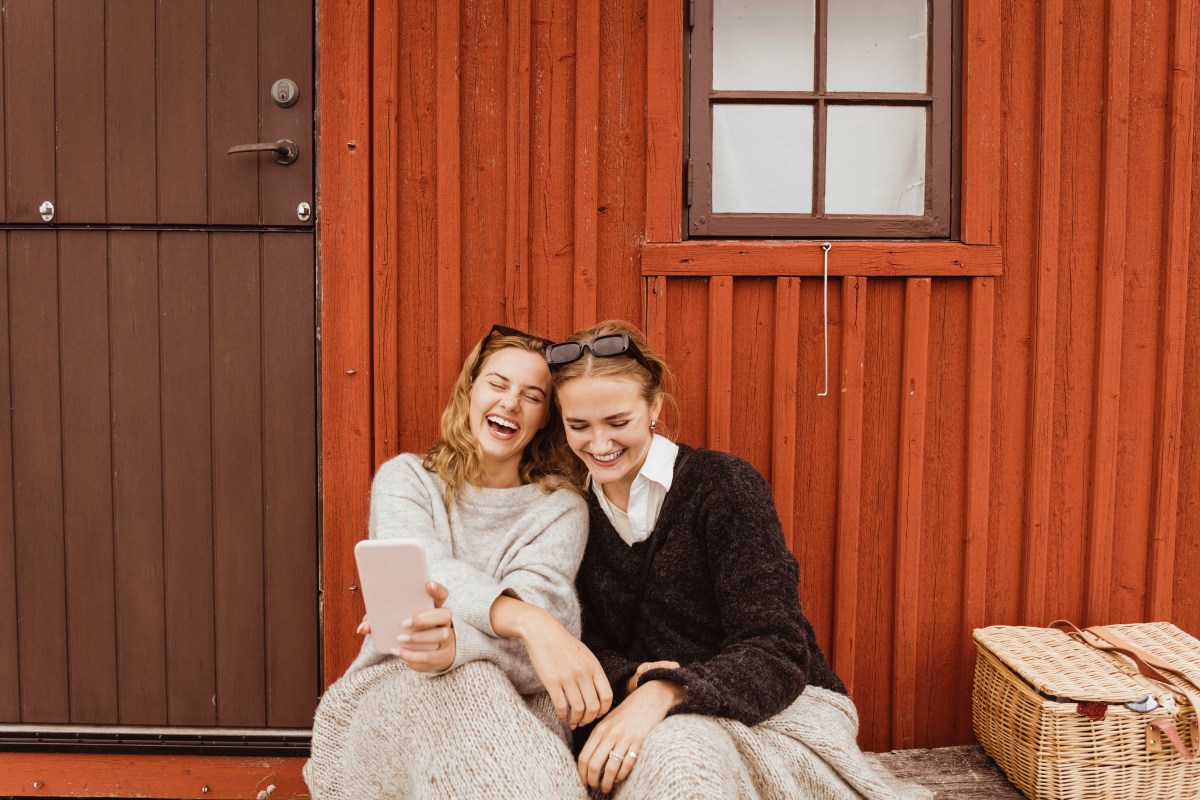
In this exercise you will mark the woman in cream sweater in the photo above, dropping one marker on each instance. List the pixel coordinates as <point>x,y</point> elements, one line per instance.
<point>486,713</point>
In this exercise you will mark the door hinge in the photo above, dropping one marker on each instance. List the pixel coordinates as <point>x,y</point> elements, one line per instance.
<point>691,181</point>
<point>691,22</point>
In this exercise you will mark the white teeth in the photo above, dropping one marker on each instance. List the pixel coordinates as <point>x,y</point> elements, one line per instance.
<point>502,422</point>
<point>609,457</point>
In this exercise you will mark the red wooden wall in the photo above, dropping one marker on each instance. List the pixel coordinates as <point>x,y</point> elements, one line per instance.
<point>1011,430</point>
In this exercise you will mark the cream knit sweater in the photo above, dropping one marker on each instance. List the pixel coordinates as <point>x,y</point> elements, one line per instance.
<point>521,542</point>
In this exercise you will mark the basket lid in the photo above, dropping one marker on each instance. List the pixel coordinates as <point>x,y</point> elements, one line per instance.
<point>1057,665</point>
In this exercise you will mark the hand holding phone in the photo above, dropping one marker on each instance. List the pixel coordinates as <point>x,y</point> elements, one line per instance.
<point>393,577</point>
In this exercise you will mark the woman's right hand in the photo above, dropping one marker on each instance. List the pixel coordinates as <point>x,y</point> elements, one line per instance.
<point>571,674</point>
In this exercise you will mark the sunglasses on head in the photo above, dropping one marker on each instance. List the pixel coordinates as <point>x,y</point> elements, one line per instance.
<point>610,344</point>
<point>504,330</point>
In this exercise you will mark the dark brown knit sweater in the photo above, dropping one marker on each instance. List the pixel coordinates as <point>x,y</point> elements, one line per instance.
<point>721,598</point>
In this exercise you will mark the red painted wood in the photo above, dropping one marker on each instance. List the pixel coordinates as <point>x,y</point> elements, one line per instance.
<point>909,517</point>
<point>720,362</point>
<point>519,59</point>
<point>1111,314</point>
<point>232,114</point>
<point>1164,521</point>
<point>783,409</point>
<point>768,258</point>
<point>981,117</point>
<point>980,377</point>
<point>664,121</point>
<point>129,95</point>
<point>849,491</point>
<point>1037,511</point>
<point>181,121</point>
<point>587,134</point>
<point>29,120</point>
<point>192,777</point>
<point>345,233</point>
<point>449,245</point>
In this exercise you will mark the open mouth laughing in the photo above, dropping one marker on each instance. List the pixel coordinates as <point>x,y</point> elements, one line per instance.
<point>607,459</point>
<point>502,427</point>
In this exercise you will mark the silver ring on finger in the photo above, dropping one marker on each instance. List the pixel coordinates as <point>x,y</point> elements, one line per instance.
<point>631,754</point>
<point>614,755</point>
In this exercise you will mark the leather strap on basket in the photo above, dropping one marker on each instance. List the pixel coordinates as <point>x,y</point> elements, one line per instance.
<point>1149,666</point>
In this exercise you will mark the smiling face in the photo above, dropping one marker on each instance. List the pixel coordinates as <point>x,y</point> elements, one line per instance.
<point>509,403</point>
<point>608,428</point>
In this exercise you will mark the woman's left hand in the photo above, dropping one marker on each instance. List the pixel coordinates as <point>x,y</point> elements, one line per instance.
<point>612,749</point>
<point>435,627</point>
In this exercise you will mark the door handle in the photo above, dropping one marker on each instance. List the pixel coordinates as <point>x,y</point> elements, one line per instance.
<point>284,151</point>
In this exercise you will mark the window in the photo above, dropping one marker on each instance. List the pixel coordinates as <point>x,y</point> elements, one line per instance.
<point>821,118</point>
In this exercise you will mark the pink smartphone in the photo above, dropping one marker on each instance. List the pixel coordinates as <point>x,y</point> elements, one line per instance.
<point>393,575</point>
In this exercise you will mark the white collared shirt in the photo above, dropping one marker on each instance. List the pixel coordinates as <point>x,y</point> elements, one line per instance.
<point>646,495</point>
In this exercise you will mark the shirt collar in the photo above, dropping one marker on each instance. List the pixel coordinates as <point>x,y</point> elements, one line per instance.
<point>659,465</point>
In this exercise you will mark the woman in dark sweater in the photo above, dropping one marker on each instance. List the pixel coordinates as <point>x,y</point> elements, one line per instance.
<point>689,593</point>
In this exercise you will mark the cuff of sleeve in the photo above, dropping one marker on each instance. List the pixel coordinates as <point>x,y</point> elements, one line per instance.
<point>694,686</point>
<point>469,645</point>
<point>472,604</point>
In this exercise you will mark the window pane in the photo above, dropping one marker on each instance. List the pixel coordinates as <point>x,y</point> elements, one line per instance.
<point>875,160</point>
<point>762,159</point>
<point>877,46</point>
<point>763,44</point>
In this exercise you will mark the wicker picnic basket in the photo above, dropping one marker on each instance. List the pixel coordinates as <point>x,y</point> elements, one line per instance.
<point>1052,706</point>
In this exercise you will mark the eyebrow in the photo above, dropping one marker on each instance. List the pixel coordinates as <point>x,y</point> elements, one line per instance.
<point>609,418</point>
<point>506,379</point>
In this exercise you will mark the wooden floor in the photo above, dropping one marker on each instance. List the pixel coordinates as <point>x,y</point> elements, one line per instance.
<point>953,773</point>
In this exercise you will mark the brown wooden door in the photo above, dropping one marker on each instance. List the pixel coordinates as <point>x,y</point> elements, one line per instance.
<point>157,361</point>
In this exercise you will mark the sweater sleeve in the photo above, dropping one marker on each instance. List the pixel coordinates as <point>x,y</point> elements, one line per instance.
<point>763,664</point>
<point>405,503</point>
<point>617,667</point>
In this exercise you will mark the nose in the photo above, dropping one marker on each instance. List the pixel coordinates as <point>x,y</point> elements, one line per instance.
<point>511,399</point>
<point>600,442</point>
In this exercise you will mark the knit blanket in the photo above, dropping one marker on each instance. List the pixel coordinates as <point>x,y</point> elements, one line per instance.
<point>388,732</point>
<point>808,750</point>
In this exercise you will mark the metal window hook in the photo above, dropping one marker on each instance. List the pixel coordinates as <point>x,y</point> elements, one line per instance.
<point>825,315</point>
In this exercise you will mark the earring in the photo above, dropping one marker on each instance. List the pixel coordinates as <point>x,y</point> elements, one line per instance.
<point>653,424</point>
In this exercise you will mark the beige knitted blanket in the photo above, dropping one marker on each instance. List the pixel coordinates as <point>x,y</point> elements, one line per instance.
<point>808,750</point>
<point>388,732</point>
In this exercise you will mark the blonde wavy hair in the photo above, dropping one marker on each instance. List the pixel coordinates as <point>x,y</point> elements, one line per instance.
<point>654,383</point>
<point>456,456</point>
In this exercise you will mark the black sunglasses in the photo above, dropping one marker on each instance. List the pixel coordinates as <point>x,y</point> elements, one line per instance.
<point>610,344</point>
<point>504,330</point>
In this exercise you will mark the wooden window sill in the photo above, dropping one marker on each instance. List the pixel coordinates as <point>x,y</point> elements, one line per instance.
<point>805,259</point>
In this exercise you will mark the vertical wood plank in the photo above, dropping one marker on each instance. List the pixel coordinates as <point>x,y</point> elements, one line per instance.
<point>449,235</point>
<point>187,524</point>
<point>237,475</point>
<point>29,120</point>
<point>1111,314</point>
<point>979,456</point>
<point>1041,431</point>
<point>345,235</point>
<point>289,479</point>
<point>552,166</point>
<point>79,110</point>
<point>37,473</point>
<point>751,370</point>
<point>130,112</point>
<point>664,121</point>
<point>3,125</point>
<point>720,361</point>
<point>783,411</point>
<point>517,124</point>
<point>285,48</point>
<point>183,153</point>
<point>981,126</point>
<point>10,672</point>
<point>909,504</point>
<point>587,123</point>
<point>1164,517</point>
<point>87,473</point>
<point>385,195</point>
<point>137,477</point>
<point>233,196</point>
<point>655,317</point>
<point>850,476</point>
